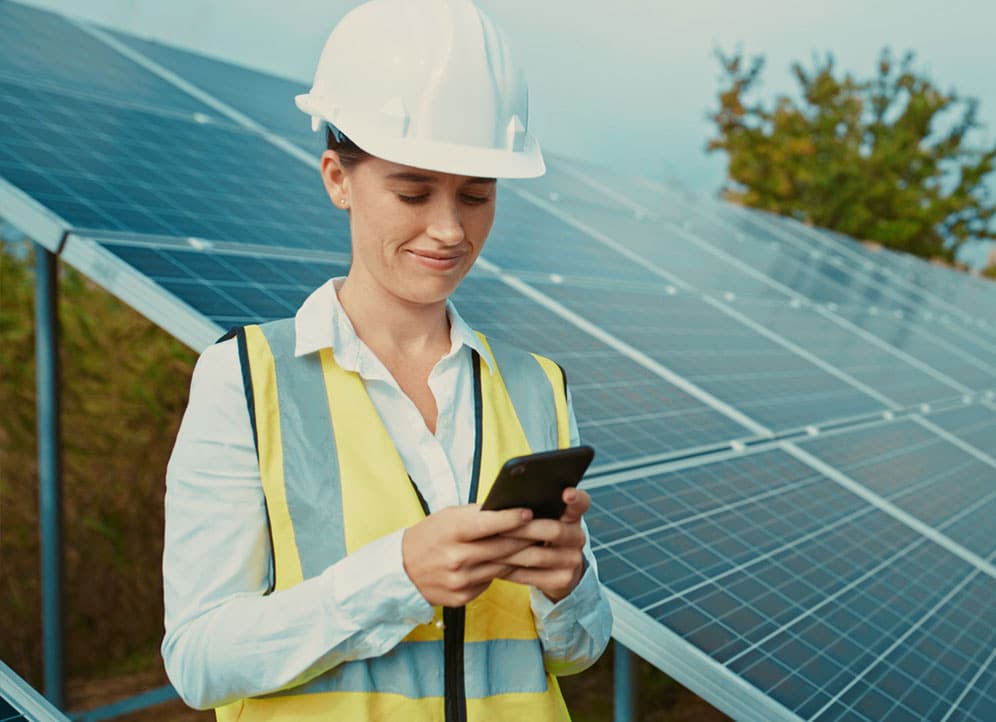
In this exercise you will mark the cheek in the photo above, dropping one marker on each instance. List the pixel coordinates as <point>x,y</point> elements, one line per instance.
<point>478,225</point>
<point>377,229</point>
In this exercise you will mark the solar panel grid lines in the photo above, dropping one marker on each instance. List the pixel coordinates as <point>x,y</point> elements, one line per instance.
<point>947,358</point>
<point>792,293</point>
<point>629,351</point>
<point>602,238</point>
<point>816,664</point>
<point>825,714</point>
<point>173,315</point>
<point>850,348</point>
<point>892,284</point>
<point>905,294</point>
<point>28,36</point>
<point>251,92</point>
<point>841,374</point>
<point>891,509</point>
<point>872,263</point>
<point>692,667</point>
<point>961,444</point>
<point>192,185</point>
<point>524,240</point>
<point>823,310</point>
<point>971,686</point>
<point>852,535</point>
<point>771,384</point>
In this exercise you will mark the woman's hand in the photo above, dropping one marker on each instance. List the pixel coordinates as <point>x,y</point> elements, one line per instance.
<point>452,555</point>
<point>553,562</point>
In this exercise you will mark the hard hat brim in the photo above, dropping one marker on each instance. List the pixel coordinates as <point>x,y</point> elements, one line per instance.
<point>436,155</point>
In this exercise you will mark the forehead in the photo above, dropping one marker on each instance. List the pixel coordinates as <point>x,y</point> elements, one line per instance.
<point>400,173</point>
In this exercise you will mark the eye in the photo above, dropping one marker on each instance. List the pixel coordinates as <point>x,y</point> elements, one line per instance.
<point>475,200</point>
<point>414,200</point>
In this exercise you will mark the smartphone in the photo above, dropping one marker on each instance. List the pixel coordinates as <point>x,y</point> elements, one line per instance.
<point>537,481</point>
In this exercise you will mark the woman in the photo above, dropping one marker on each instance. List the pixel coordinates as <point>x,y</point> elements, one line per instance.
<point>325,555</point>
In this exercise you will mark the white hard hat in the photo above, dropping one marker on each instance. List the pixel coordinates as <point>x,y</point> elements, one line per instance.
<point>426,83</point>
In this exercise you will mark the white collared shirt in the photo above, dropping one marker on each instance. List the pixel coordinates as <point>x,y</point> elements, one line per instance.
<point>225,638</point>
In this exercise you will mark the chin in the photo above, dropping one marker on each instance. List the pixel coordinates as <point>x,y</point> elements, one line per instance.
<point>426,291</point>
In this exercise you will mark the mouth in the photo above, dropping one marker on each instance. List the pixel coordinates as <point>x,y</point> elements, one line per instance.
<point>436,260</point>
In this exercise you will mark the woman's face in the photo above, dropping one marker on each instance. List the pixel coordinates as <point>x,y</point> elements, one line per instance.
<point>415,233</point>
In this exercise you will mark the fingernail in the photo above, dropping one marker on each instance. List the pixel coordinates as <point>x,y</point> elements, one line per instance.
<point>527,514</point>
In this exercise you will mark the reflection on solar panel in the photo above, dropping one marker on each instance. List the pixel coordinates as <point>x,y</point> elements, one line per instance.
<point>18,701</point>
<point>795,481</point>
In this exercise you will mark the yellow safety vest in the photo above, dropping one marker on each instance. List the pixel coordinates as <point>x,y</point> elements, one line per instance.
<point>328,465</point>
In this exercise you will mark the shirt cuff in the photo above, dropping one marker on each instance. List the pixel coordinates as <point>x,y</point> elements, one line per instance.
<point>562,615</point>
<point>379,589</point>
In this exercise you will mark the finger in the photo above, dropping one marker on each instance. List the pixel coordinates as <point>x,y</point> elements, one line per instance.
<point>550,532</point>
<point>473,524</point>
<point>539,578</point>
<point>491,549</point>
<point>484,573</point>
<point>577,501</point>
<point>536,557</point>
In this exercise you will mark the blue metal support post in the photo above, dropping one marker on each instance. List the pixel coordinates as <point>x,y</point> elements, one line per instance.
<point>49,467</point>
<point>624,707</point>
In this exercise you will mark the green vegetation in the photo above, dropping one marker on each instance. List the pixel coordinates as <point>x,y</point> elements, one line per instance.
<point>124,386</point>
<point>887,159</point>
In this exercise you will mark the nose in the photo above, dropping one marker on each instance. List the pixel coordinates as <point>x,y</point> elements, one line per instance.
<point>446,225</point>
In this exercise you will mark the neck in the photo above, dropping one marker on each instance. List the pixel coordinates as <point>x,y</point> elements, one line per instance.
<point>390,325</point>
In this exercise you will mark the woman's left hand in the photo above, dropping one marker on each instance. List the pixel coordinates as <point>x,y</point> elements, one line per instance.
<point>554,564</point>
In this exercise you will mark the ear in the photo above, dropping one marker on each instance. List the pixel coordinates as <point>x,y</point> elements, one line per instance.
<point>335,179</point>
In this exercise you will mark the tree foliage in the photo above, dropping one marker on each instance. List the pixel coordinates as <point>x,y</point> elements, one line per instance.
<point>888,159</point>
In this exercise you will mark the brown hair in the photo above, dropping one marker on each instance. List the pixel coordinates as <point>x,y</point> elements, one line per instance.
<point>350,154</point>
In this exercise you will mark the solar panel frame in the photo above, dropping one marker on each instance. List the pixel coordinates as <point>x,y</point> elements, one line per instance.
<point>25,700</point>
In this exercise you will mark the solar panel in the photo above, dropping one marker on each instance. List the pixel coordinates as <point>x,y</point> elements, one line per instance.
<point>267,98</point>
<point>975,424</point>
<point>896,376</point>
<point>18,701</point>
<point>794,486</point>
<point>81,65</point>
<point>771,384</point>
<point>791,582</point>
<point>106,167</point>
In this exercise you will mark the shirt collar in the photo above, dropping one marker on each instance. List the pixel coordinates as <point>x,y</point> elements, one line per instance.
<point>321,322</point>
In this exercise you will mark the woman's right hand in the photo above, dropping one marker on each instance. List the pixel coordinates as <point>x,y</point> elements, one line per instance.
<point>451,556</point>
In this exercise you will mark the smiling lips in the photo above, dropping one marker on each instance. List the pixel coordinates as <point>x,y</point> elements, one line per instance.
<point>436,260</point>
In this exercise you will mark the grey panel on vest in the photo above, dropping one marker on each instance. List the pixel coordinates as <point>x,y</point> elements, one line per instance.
<point>415,670</point>
<point>523,375</point>
<point>311,463</point>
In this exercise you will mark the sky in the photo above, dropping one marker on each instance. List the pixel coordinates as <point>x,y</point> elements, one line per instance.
<point>625,83</point>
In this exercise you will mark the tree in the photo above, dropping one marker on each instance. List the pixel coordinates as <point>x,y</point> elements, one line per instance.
<point>888,159</point>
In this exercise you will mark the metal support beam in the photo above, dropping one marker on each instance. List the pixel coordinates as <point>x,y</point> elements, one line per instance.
<point>49,467</point>
<point>624,706</point>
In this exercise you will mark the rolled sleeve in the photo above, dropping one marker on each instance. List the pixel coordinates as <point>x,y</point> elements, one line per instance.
<point>575,630</point>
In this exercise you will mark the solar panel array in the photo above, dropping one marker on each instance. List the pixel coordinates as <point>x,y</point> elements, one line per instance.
<point>795,485</point>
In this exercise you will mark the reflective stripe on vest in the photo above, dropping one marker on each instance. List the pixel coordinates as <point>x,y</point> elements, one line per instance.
<point>327,464</point>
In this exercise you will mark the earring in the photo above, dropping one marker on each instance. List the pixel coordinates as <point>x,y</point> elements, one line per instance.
<point>343,201</point>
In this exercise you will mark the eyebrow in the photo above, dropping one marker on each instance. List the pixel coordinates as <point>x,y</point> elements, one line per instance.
<point>423,178</point>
